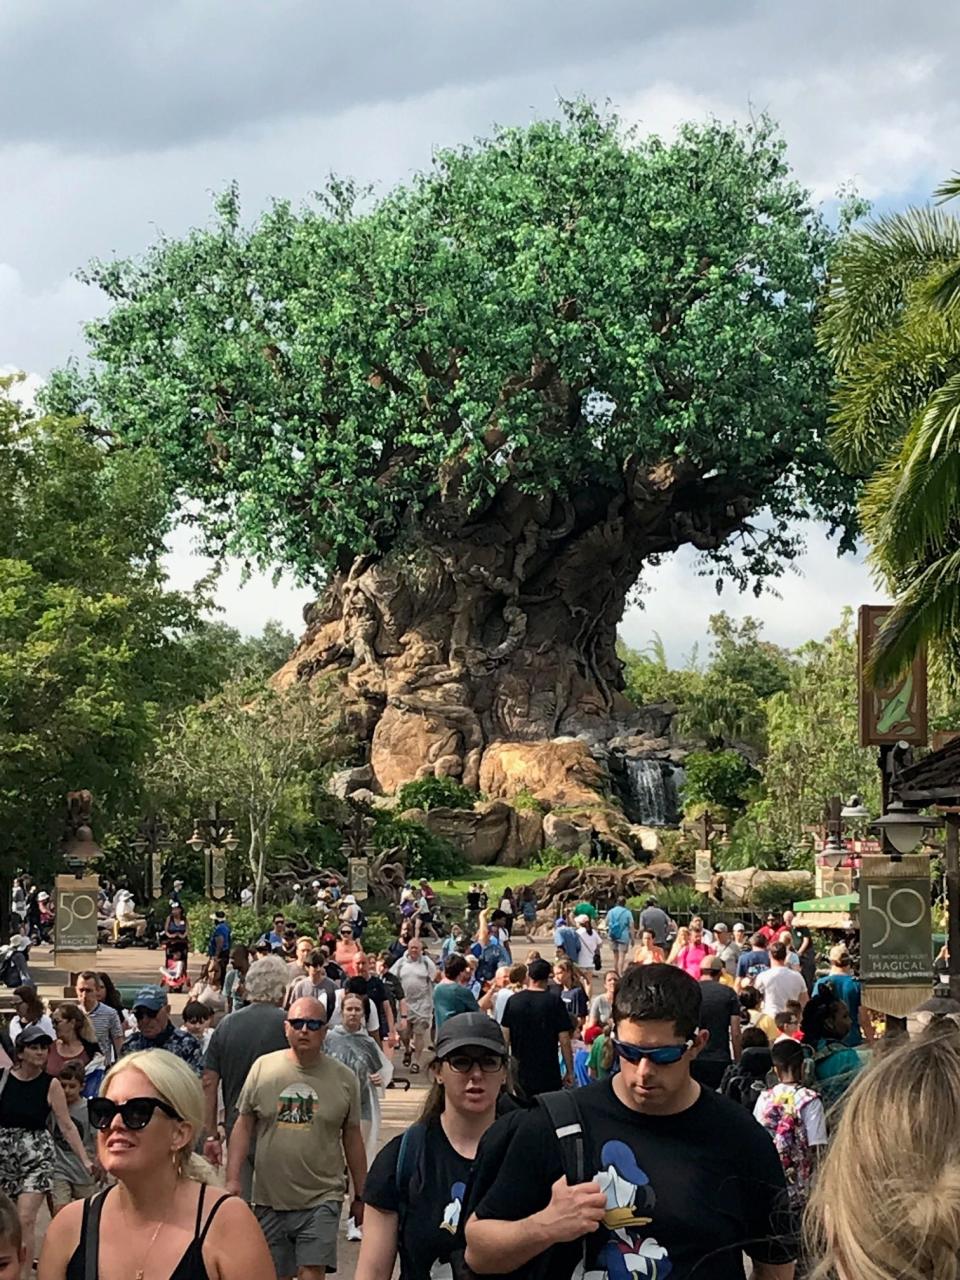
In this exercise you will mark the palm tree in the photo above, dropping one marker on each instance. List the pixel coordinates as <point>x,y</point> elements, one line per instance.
<point>891,326</point>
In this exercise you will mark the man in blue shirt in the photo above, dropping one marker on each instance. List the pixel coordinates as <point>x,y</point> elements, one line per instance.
<point>753,961</point>
<point>847,988</point>
<point>621,932</point>
<point>565,939</point>
<point>218,947</point>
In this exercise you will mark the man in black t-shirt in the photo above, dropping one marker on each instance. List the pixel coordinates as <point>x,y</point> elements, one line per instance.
<point>665,1198</point>
<point>720,1018</point>
<point>537,1028</point>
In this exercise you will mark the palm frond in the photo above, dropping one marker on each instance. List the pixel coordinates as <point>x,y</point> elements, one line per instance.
<point>924,508</point>
<point>949,188</point>
<point>943,290</point>
<point>895,374</point>
<point>874,270</point>
<point>927,611</point>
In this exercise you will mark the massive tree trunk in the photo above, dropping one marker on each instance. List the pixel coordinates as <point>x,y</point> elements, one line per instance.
<point>503,629</point>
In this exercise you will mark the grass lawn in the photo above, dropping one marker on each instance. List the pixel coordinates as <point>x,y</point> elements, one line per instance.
<point>452,892</point>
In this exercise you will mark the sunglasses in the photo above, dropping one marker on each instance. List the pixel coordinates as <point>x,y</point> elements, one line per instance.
<point>464,1063</point>
<point>136,1113</point>
<point>664,1055</point>
<point>308,1024</point>
<point>142,1013</point>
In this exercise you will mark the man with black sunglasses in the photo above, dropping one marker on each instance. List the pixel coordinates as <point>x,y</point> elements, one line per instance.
<point>155,1030</point>
<point>663,1196</point>
<point>303,1108</point>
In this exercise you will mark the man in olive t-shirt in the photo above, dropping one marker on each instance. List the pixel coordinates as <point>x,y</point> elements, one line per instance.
<point>304,1109</point>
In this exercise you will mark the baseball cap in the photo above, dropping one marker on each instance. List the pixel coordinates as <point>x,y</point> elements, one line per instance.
<point>33,1034</point>
<point>720,925</point>
<point>152,998</point>
<point>43,897</point>
<point>711,964</point>
<point>350,899</point>
<point>470,1031</point>
<point>739,927</point>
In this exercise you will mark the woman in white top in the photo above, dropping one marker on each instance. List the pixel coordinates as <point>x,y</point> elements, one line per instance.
<point>589,945</point>
<point>30,1012</point>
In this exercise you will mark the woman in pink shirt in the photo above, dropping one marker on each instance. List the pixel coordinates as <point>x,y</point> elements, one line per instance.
<point>690,956</point>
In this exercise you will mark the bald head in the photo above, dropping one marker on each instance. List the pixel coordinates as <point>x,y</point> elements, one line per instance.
<point>306,1027</point>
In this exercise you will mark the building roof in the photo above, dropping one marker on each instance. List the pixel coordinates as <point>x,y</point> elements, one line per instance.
<point>933,780</point>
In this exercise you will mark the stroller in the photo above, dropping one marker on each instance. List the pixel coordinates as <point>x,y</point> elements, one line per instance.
<point>174,972</point>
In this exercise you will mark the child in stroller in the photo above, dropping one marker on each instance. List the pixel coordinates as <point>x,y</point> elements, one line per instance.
<point>176,950</point>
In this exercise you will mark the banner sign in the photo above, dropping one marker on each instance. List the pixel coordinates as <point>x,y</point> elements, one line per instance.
<point>898,710</point>
<point>358,877</point>
<point>75,923</point>
<point>896,959</point>
<point>703,869</point>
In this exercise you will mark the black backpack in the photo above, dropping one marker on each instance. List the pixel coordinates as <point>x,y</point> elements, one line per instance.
<point>564,1115</point>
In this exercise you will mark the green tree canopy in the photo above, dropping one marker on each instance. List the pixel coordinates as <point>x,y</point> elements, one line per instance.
<point>90,637</point>
<point>548,310</point>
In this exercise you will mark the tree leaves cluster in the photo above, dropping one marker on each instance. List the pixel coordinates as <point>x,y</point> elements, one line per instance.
<point>540,311</point>
<point>91,638</point>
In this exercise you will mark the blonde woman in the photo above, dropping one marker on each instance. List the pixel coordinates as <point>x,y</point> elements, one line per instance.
<point>161,1219</point>
<point>681,941</point>
<point>886,1202</point>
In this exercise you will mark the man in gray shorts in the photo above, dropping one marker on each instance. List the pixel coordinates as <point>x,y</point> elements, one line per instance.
<point>304,1109</point>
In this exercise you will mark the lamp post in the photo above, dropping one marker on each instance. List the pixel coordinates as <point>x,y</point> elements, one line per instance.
<point>214,837</point>
<point>357,848</point>
<point>152,838</point>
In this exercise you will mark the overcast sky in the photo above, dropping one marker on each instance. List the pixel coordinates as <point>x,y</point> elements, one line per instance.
<point>117,121</point>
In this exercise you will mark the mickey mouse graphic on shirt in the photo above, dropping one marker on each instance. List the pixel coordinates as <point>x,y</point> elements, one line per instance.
<point>628,1251</point>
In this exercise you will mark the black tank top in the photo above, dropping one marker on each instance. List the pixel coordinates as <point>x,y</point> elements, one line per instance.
<point>85,1262</point>
<point>23,1103</point>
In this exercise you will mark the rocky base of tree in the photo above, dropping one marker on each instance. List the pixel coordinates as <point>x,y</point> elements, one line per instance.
<point>566,886</point>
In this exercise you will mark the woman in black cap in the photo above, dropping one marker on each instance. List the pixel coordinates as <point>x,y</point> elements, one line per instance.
<point>27,1097</point>
<point>414,1189</point>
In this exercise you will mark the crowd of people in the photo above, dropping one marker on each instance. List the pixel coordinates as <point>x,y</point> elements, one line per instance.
<point>578,1123</point>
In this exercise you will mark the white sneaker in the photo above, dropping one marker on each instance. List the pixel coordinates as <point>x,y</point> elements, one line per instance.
<point>354,1232</point>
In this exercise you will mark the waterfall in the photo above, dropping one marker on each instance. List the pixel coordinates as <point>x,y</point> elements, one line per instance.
<point>650,794</point>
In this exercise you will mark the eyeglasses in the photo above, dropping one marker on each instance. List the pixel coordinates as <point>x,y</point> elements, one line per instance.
<point>663,1055</point>
<point>136,1113</point>
<point>464,1063</point>
<point>309,1024</point>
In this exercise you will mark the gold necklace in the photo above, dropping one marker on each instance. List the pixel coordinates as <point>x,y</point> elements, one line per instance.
<point>138,1275</point>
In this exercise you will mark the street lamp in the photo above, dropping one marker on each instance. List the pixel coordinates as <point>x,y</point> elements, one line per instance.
<point>214,836</point>
<point>903,827</point>
<point>152,838</point>
<point>855,810</point>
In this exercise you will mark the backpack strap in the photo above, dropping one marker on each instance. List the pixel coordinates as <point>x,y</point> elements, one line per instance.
<point>409,1161</point>
<point>564,1115</point>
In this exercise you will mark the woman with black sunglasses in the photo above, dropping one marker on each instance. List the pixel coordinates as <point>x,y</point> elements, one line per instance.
<point>161,1221</point>
<point>427,1167</point>
<point>28,1097</point>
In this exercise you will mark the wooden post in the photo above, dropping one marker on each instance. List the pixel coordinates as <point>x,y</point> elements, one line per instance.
<point>952,860</point>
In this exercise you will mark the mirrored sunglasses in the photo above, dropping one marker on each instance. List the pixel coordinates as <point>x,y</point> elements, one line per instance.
<point>663,1055</point>
<point>308,1024</point>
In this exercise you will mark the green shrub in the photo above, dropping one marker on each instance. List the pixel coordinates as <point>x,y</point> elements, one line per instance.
<point>378,934</point>
<point>550,857</point>
<point>721,779</point>
<point>679,898</point>
<point>421,852</point>
<point>435,793</point>
<point>525,802</point>
<point>767,896</point>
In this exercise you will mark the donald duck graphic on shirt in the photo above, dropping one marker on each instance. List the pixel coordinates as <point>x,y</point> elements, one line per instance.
<point>629,1251</point>
<point>449,1222</point>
